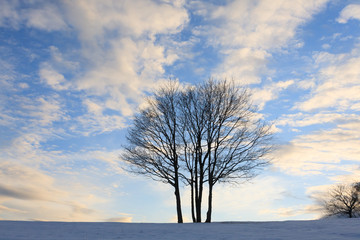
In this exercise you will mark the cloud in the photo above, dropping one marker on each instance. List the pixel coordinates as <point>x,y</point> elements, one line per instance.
<point>122,54</point>
<point>20,193</point>
<point>6,209</point>
<point>28,193</point>
<point>96,121</point>
<point>351,177</point>
<point>294,211</point>
<point>21,182</point>
<point>326,46</point>
<point>269,92</point>
<point>52,78</point>
<point>306,119</point>
<point>50,70</point>
<point>127,218</point>
<point>337,84</point>
<point>45,111</point>
<point>134,18</point>
<point>351,11</point>
<point>331,150</point>
<point>8,14</point>
<point>247,32</point>
<point>47,17</point>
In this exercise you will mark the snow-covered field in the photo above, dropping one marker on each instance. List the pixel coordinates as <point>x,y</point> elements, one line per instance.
<point>336,229</point>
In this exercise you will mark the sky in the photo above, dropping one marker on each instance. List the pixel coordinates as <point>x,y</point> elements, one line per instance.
<point>72,74</point>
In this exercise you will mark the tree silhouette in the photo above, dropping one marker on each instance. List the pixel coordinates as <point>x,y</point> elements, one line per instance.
<point>153,141</point>
<point>200,134</point>
<point>342,200</point>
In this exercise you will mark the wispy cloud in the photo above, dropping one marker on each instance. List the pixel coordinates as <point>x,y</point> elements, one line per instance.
<point>120,42</point>
<point>41,15</point>
<point>269,92</point>
<point>351,11</point>
<point>248,32</point>
<point>306,119</point>
<point>336,83</point>
<point>294,211</point>
<point>321,151</point>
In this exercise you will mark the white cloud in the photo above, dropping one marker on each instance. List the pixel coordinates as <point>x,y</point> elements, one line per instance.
<point>52,77</point>
<point>337,85</point>
<point>321,151</point>
<point>351,177</point>
<point>44,111</point>
<point>133,18</point>
<point>119,39</point>
<point>326,46</point>
<point>65,193</point>
<point>294,211</point>
<point>269,92</point>
<point>303,120</point>
<point>120,48</point>
<point>248,31</point>
<point>27,193</point>
<point>50,70</point>
<point>96,120</point>
<point>351,11</point>
<point>46,18</point>
<point>8,14</point>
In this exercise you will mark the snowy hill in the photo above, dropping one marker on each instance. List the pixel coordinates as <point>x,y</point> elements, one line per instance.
<point>334,229</point>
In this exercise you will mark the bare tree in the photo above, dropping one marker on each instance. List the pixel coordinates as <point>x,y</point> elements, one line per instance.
<point>200,134</point>
<point>193,122</point>
<point>237,142</point>
<point>153,141</point>
<point>342,200</point>
<point>224,140</point>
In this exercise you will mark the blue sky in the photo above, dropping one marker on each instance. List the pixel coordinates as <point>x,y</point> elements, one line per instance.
<point>72,73</point>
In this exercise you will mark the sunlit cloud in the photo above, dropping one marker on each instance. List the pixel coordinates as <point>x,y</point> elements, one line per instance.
<point>305,119</point>
<point>351,11</point>
<point>118,40</point>
<point>247,32</point>
<point>269,92</point>
<point>337,82</point>
<point>294,211</point>
<point>124,217</point>
<point>320,151</point>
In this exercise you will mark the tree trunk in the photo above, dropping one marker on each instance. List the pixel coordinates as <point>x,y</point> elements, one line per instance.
<point>178,198</point>
<point>201,188</point>
<point>178,206</point>
<point>192,201</point>
<point>209,212</point>
<point>197,192</point>
<point>198,208</point>
<point>197,203</point>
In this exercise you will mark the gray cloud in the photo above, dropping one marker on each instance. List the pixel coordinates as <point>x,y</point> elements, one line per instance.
<point>19,193</point>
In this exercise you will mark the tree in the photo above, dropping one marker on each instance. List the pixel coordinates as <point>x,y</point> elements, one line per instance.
<point>153,145</point>
<point>208,133</point>
<point>342,200</point>
<point>223,140</point>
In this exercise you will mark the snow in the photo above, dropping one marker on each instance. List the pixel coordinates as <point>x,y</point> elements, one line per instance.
<point>333,229</point>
